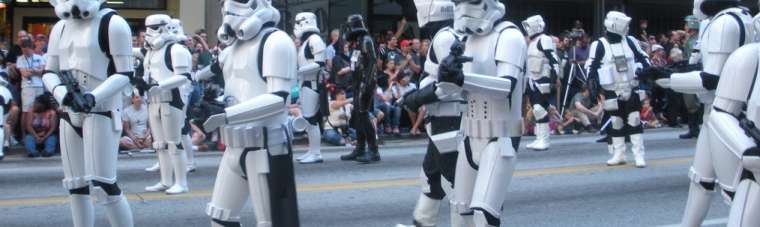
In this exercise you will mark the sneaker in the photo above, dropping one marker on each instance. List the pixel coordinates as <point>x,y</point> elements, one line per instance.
<point>156,188</point>
<point>153,168</point>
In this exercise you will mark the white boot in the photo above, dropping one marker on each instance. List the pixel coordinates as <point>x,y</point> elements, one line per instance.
<point>537,133</point>
<point>542,138</point>
<point>154,168</point>
<point>82,210</point>
<point>426,211</point>
<point>118,211</point>
<point>179,167</point>
<point>314,155</point>
<point>618,152</point>
<point>638,150</point>
<point>2,143</point>
<point>165,167</point>
<point>187,144</point>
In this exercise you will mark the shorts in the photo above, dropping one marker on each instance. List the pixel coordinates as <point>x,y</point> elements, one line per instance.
<point>28,95</point>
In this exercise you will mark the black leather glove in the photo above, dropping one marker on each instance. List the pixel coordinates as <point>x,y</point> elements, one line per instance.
<point>78,102</point>
<point>450,69</point>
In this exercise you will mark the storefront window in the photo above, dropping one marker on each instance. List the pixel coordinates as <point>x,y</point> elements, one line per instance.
<point>119,4</point>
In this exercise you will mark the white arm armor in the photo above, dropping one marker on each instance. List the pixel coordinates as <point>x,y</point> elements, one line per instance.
<point>511,54</point>
<point>50,78</point>
<point>548,45</point>
<point>735,84</point>
<point>279,58</point>
<point>441,46</point>
<point>262,107</point>
<point>485,84</point>
<point>120,43</point>
<point>317,48</point>
<point>181,63</point>
<point>722,38</point>
<point>309,72</point>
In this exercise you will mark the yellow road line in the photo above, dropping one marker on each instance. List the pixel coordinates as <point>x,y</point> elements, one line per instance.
<point>40,201</point>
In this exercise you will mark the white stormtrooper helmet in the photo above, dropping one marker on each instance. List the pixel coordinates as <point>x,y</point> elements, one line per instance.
<point>534,25</point>
<point>305,22</point>
<point>175,28</point>
<point>477,16</point>
<point>433,10</point>
<point>76,9</point>
<point>704,9</point>
<point>243,19</point>
<point>158,30</point>
<point>617,22</point>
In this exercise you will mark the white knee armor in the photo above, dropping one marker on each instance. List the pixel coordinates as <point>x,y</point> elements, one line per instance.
<point>725,28</point>
<point>259,68</point>
<point>167,66</point>
<point>498,51</point>
<point>94,51</point>
<point>311,54</point>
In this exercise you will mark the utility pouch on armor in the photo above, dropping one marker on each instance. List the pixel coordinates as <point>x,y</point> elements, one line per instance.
<point>606,76</point>
<point>621,64</point>
<point>447,142</point>
<point>610,105</point>
<point>116,119</point>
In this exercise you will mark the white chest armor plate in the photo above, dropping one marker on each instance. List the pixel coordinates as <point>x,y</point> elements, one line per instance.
<point>157,69</point>
<point>242,76</point>
<point>618,70</point>
<point>485,116</point>
<point>537,65</point>
<point>81,55</point>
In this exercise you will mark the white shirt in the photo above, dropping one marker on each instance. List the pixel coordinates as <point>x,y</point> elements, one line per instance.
<point>34,62</point>
<point>137,119</point>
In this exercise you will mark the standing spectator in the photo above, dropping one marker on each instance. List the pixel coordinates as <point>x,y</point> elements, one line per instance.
<point>31,67</point>
<point>15,50</point>
<point>340,75</point>
<point>135,121</point>
<point>40,127</point>
<point>40,44</point>
<point>331,50</point>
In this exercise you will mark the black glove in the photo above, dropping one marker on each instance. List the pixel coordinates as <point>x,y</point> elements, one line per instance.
<point>79,103</point>
<point>654,73</point>
<point>450,69</point>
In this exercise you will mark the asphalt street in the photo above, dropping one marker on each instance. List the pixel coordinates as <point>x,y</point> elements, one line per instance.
<point>568,185</point>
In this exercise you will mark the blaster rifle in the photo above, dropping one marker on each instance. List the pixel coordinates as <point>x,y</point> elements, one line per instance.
<point>75,97</point>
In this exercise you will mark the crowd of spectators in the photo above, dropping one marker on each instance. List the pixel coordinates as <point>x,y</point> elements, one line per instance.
<point>575,107</point>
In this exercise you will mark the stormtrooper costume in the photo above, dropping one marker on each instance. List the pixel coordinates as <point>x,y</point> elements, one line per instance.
<point>734,137</point>
<point>167,68</point>
<point>443,114</point>
<point>363,61</point>
<point>89,69</point>
<point>542,71</point>
<point>614,60</point>
<point>186,140</point>
<point>491,77</point>
<point>259,68</point>
<point>5,104</point>
<point>725,28</point>
<point>311,63</point>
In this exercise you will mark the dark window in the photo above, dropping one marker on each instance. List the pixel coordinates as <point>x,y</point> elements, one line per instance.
<point>118,4</point>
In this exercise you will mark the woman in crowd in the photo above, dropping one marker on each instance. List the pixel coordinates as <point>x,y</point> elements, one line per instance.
<point>385,97</point>
<point>40,128</point>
